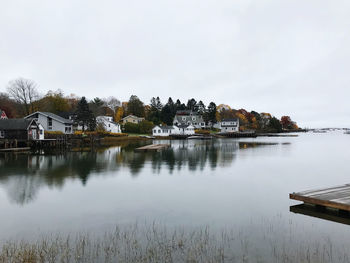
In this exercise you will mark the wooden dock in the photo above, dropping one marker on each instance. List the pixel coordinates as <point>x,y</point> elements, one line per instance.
<point>337,216</point>
<point>337,197</point>
<point>152,148</point>
<point>20,149</point>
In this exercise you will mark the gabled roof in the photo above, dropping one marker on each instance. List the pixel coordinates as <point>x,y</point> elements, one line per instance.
<point>53,116</point>
<point>164,127</point>
<point>133,116</point>
<point>199,118</point>
<point>105,119</point>
<point>15,124</point>
<point>233,119</point>
<point>184,126</point>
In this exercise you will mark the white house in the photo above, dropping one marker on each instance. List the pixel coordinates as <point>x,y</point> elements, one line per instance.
<point>164,130</point>
<point>52,122</point>
<point>173,130</point>
<point>186,129</point>
<point>229,125</point>
<point>108,124</point>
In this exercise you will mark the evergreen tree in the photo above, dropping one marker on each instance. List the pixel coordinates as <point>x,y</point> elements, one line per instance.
<point>84,115</point>
<point>210,114</point>
<point>135,106</point>
<point>179,105</point>
<point>166,115</point>
<point>154,114</point>
<point>191,104</point>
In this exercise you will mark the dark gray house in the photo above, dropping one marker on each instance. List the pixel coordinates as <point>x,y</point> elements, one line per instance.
<point>20,129</point>
<point>187,117</point>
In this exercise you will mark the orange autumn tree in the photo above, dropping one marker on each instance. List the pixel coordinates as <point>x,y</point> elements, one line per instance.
<point>288,124</point>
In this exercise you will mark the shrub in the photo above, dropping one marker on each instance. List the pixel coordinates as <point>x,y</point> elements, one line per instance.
<point>131,127</point>
<point>142,127</point>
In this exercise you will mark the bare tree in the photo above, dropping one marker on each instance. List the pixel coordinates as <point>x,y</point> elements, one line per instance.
<point>112,103</point>
<point>24,92</point>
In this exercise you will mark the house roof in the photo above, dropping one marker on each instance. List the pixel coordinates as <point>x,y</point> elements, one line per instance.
<point>133,116</point>
<point>184,126</point>
<point>164,127</point>
<point>188,118</point>
<point>233,119</point>
<point>53,116</point>
<point>105,119</point>
<point>15,124</point>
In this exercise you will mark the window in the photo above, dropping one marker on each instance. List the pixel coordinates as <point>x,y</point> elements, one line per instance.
<point>49,123</point>
<point>159,131</point>
<point>2,134</point>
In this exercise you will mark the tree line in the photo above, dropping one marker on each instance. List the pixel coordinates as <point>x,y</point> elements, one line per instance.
<point>22,98</point>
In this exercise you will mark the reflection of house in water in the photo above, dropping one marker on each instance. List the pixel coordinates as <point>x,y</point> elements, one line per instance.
<point>22,175</point>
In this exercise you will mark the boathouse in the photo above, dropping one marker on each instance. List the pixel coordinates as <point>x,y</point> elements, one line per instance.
<point>21,129</point>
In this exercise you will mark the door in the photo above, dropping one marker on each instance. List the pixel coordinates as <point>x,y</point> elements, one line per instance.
<point>34,134</point>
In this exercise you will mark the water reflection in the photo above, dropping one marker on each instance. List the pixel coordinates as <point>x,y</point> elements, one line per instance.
<point>22,175</point>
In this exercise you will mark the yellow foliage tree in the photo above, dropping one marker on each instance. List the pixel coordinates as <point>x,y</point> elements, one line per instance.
<point>118,114</point>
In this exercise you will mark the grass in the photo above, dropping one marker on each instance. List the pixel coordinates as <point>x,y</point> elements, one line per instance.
<point>155,243</point>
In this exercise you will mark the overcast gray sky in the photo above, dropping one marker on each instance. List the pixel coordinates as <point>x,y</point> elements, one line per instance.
<point>283,57</point>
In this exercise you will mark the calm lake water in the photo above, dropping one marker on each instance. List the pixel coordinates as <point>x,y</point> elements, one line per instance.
<point>223,183</point>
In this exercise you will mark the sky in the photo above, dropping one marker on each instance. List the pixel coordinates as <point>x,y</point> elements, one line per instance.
<point>283,57</point>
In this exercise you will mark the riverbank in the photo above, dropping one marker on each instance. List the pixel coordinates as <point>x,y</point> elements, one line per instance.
<point>155,243</point>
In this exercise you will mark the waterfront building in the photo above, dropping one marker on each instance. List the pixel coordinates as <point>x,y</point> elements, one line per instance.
<point>173,130</point>
<point>229,125</point>
<point>21,129</point>
<point>52,122</point>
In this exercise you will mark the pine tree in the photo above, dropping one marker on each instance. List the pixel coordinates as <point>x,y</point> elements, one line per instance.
<point>84,115</point>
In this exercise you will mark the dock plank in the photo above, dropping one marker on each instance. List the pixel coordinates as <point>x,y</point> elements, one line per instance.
<point>337,197</point>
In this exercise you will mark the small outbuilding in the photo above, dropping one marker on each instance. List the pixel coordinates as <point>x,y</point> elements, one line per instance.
<point>21,129</point>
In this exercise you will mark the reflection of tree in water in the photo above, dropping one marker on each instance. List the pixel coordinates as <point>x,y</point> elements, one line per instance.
<point>23,175</point>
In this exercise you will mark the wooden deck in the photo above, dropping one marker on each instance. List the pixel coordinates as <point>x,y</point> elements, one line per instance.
<point>152,148</point>
<point>20,149</point>
<point>337,197</point>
